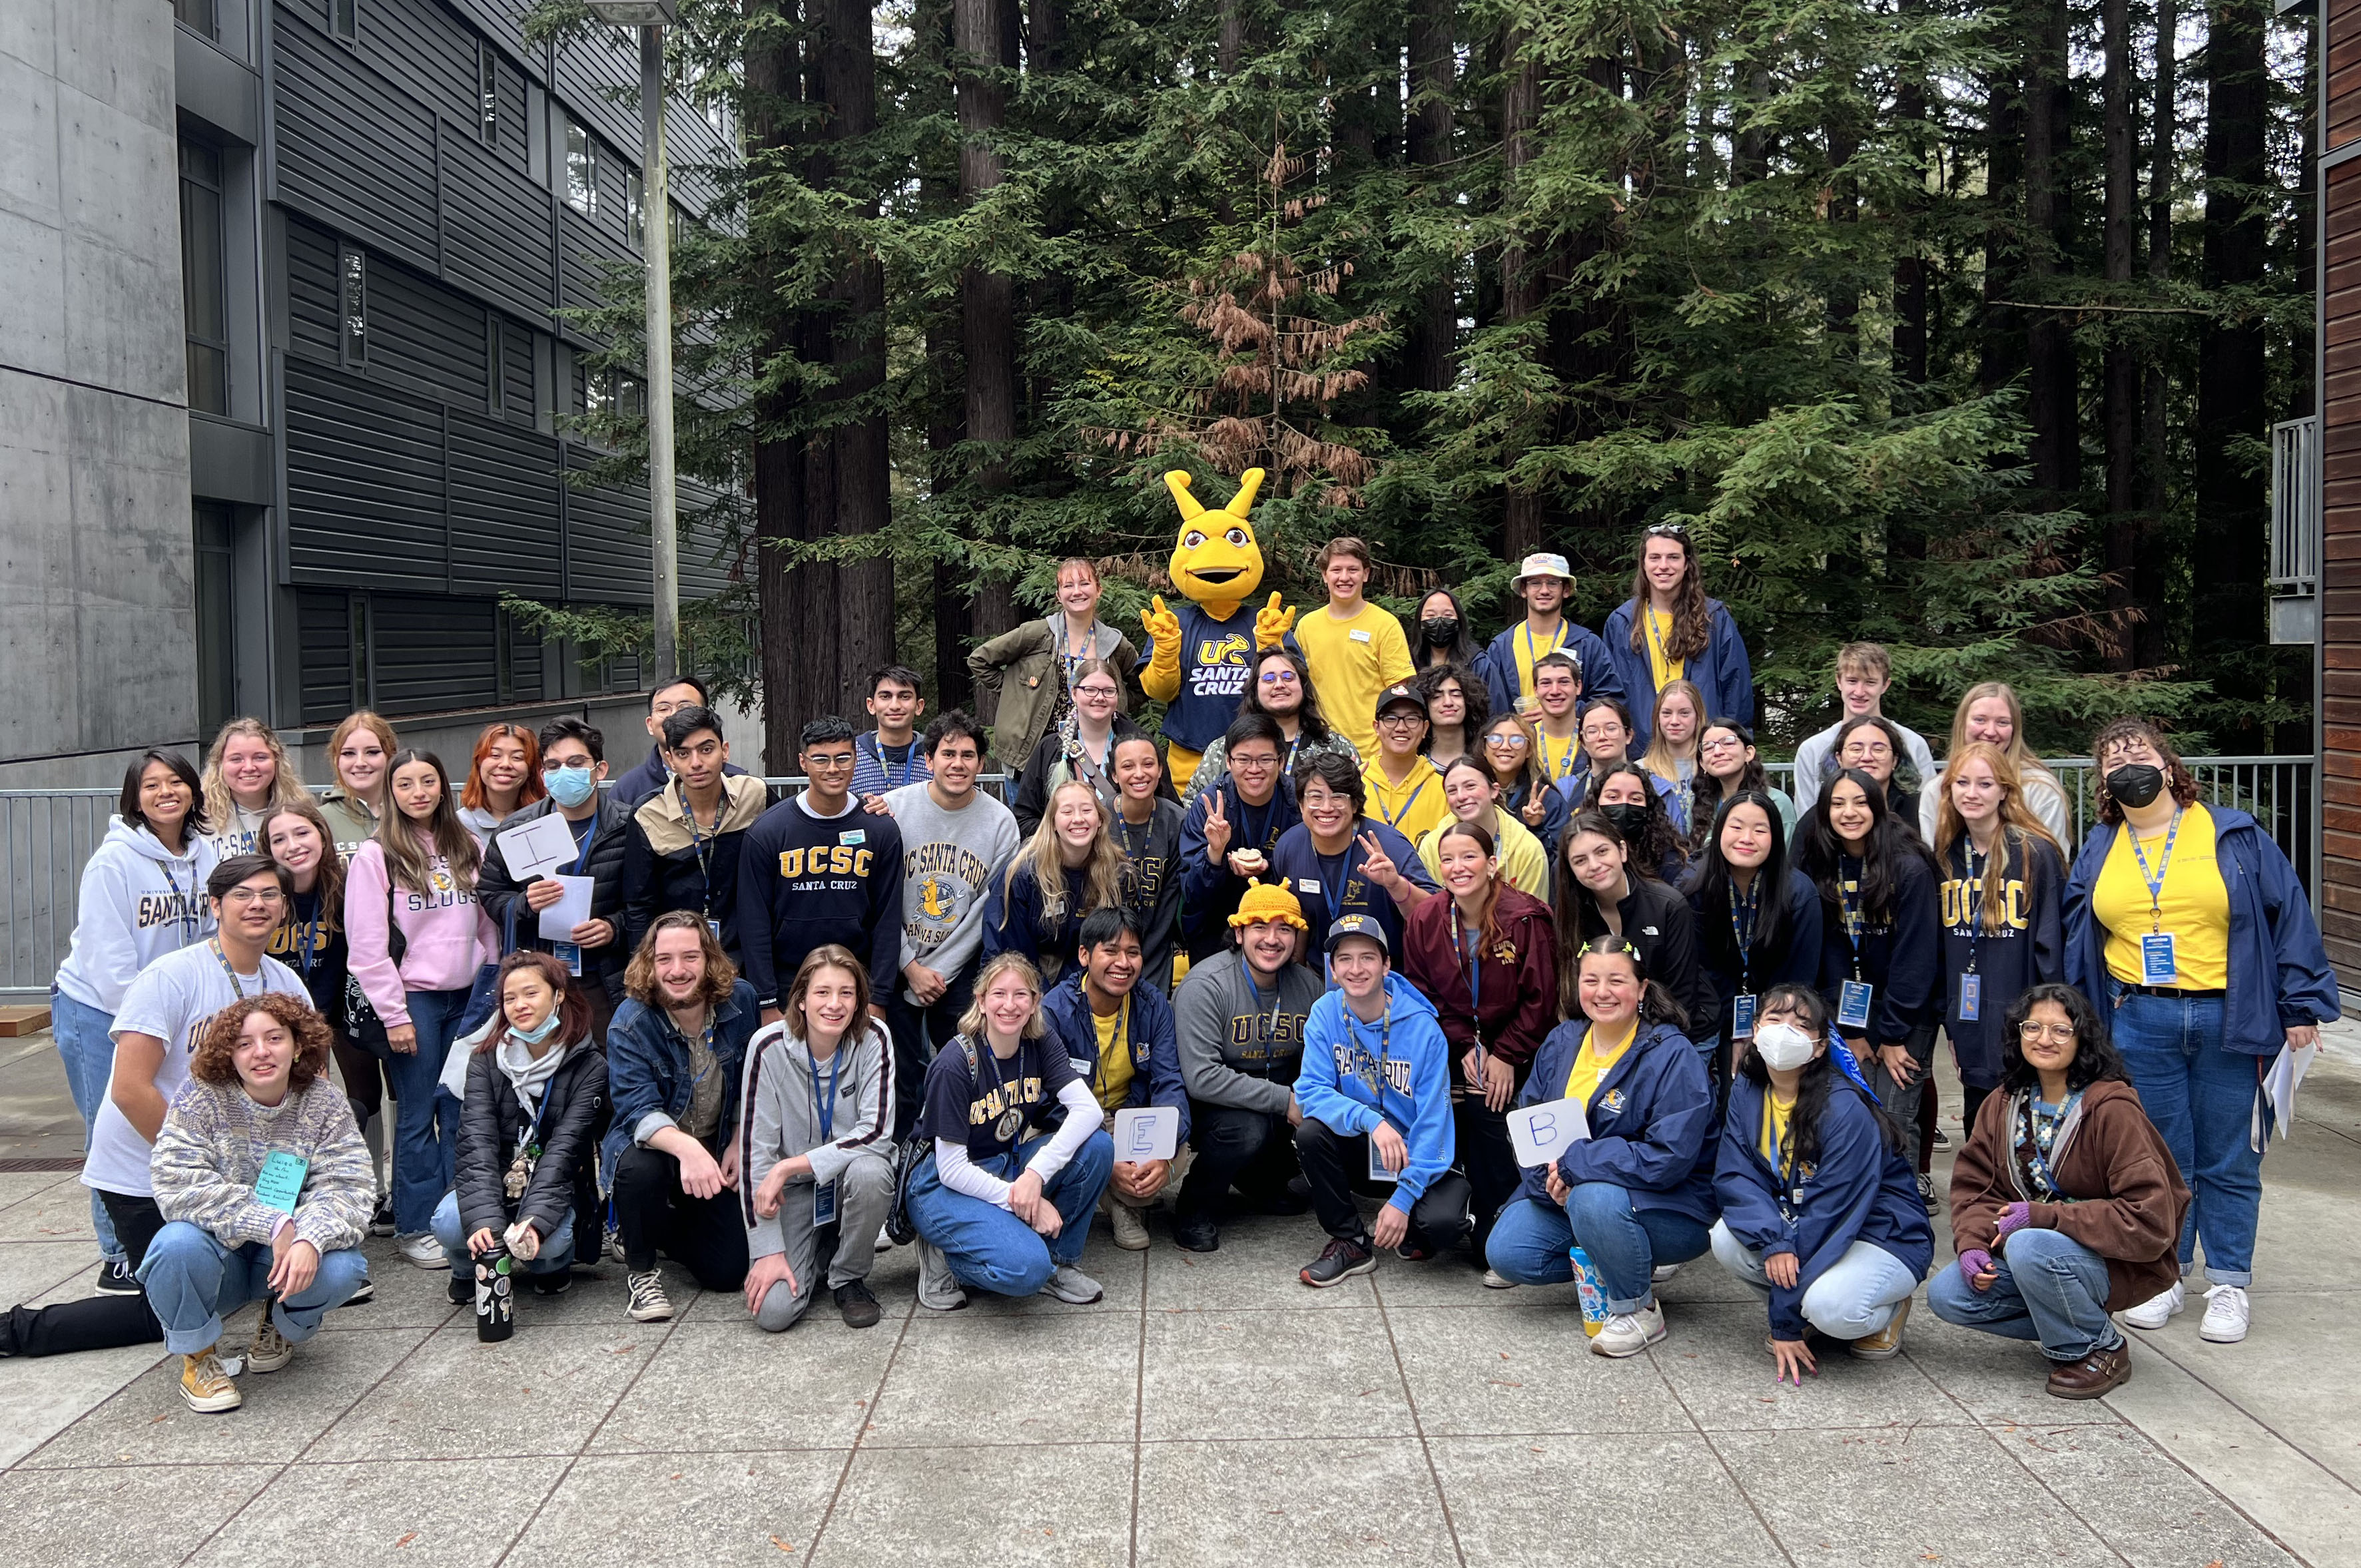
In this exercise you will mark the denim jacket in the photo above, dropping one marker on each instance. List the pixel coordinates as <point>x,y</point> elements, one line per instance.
<point>647,1071</point>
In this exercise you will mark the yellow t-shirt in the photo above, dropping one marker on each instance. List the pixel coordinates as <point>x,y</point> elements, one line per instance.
<point>1411,807</point>
<point>1528,648</point>
<point>1775,1112</point>
<point>1591,1066</point>
<point>1559,758</point>
<point>1523,864</point>
<point>2195,904</point>
<point>1351,661</point>
<point>1114,1055</point>
<point>1661,667</point>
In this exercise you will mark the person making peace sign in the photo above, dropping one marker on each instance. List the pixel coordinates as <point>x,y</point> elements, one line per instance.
<point>1338,862</point>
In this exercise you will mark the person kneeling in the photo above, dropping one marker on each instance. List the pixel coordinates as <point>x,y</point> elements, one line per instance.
<point>1819,1211</point>
<point>1376,1092</point>
<point>534,1106</point>
<point>1119,1035</point>
<point>266,1188</point>
<point>2065,1204</point>
<point>1637,1194</point>
<point>819,1152</point>
<point>676,1054</point>
<point>993,1208</point>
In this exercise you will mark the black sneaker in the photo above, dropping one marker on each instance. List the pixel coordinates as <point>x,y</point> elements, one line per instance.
<point>1942,1139</point>
<point>460,1292</point>
<point>1195,1232</point>
<point>362,1297</point>
<point>1927,1192</point>
<point>857,1305</point>
<point>1295,1198</point>
<point>116,1279</point>
<point>553,1284</point>
<point>381,1220</point>
<point>1337,1262</point>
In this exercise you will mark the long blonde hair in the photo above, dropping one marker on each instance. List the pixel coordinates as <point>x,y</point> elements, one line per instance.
<point>1103,873</point>
<point>2020,756</point>
<point>2019,828</point>
<point>286,789</point>
<point>362,719</point>
<point>1658,758</point>
<point>410,849</point>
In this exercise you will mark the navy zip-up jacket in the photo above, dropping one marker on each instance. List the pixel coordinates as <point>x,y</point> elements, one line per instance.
<point>2279,971</point>
<point>1858,1191</point>
<point>1155,1057</point>
<point>1652,1121</point>
<point>1722,672</point>
<point>1800,965</point>
<point>1209,894</point>
<point>647,1071</point>
<point>653,773</point>
<point>1498,665</point>
<point>1014,921</point>
<point>1901,955</point>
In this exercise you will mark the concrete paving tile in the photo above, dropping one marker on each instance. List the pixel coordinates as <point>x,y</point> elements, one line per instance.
<point>1699,1282</point>
<point>122,1518</point>
<point>59,1212</point>
<point>816,1382</point>
<point>44,1398</point>
<point>956,1380</point>
<point>1884,1497</point>
<point>1123,1274</point>
<point>1292,1375</point>
<point>706,1509</point>
<point>1523,1369</point>
<point>1715,1361</point>
<point>1447,1280</point>
<point>407,1297</point>
<point>2280,1374</point>
<point>2140,1502</point>
<point>541,1392</point>
<point>16,1185</point>
<point>1255,1266</point>
<point>2308,1194</point>
<point>926,1506</point>
<point>1511,1500</point>
<point>1998,1380</point>
<point>388,1510</point>
<point>147,1422</point>
<point>1368,1500</point>
<point>32,1269</point>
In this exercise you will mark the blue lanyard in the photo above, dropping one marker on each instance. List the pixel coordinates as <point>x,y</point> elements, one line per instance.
<point>261,985</point>
<point>823,1106</point>
<point>307,936</point>
<point>909,760</point>
<point>187,916</point>
<point>1743,914</point>
<point>2154,880</point>
<point>1385,1037</point>
<point>1393,818</point>
<point>1849,904</point>
<point>582,844</point>
<point>1970,894</point>
<point>1531,679</point>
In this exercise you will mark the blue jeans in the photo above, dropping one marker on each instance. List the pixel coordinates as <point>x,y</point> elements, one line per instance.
<point>990,1247</point>
<point>424,1133</point>
<point>2050,1287</point>
<point>556,1252</point>
<point>193,1280</point>
<point>1855,1298</point>
<point>2201,1096</point>
<point>85,1041</point>
<point>1529,1239</point>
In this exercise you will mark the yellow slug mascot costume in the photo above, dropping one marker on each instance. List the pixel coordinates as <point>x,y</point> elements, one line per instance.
<point>1198,666</point>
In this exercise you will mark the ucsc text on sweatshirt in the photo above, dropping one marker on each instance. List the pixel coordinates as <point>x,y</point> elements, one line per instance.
<point>805,880</point>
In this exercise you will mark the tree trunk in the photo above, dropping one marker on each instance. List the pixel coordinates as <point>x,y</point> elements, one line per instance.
<point>1435,318</point>
<point>1523,286</point>
<point>2148,645</point>
<point>987,299</point>
<point>2121,395</point>
<point>2049,341</point>
<point>1910,291</point>
<point>2001,355</point>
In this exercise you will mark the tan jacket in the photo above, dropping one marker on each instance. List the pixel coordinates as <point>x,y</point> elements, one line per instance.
<point>1021,668</point>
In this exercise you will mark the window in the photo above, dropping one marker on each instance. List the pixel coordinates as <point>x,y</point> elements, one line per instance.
<point>217,528</point>
<point>345,19</point>
<point>203,300</point>
<point>636,195</point>
<point>716,115</point>
<point>631,398</point>
<point>198,16</point>
<point>581,171</point>
<point>488,91</point>
<point>352,271</point>
<point>496,364</point>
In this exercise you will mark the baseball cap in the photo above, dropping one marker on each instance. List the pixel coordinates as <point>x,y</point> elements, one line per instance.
<point>1399,692</point>
<point>1357,926</point>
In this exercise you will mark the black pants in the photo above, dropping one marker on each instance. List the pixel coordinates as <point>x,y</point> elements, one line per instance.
<point>95,1322</point>
<point>919,1033</point>
<point>1488,1157</point>
<point>1971,1102</point>
<point>705,1235</point>
<point>1337,1164</point>
<point>1236,1146</point>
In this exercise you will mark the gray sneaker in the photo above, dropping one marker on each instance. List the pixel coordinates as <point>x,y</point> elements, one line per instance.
<point>1070,1284</point>
<point>939,1288</point>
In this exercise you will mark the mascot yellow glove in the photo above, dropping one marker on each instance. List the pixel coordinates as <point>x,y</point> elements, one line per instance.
<point>1272,624</point>
<point>1162,679</point>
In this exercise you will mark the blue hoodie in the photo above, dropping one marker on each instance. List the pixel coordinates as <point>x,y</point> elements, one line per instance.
<point>1859,1190</point>
<point>1498,664</point>
<point>1340,1062</point>
<point>1722,672</point>
<point>1652,1121</point>
<point>2278,971</point>
<point>1155,1058</point>
<point>1209,893</point>
<point>648,1082</point>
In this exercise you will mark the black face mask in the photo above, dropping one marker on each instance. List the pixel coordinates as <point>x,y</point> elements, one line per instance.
<point>1630,820</point>
<point>2134,784</point>
<point>1441,633</point>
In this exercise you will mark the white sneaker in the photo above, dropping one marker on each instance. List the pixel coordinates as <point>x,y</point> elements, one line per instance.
<point>1629,1334</point>
<point>885,1242</point>
<point>1663,1272</point>
<point>649,1304</point>
<point>1071,1285</point>
<point>270,1349</point>
<point>2227,1313</point>
<point>939,1288</point>
<point>424,1250</point>
<point>1495,1280</point>
<point>1130,1227</point>
<point>2159,1310</point>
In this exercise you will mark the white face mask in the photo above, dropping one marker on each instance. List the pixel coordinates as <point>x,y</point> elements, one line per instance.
<point>1783,1046</point>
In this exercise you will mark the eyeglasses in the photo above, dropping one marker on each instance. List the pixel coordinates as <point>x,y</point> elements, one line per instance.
<point>1722,743</point>
<point>1505,742</point>
<point>253,895</point>
<point>1275,677</point>
<point>837,764</point>
<point>1666,531</point>
<point>1103,691</point>
<point>2058,1034</point>
<point>567,767</point>
<point>1398,717</point>
<point>1251,763</point>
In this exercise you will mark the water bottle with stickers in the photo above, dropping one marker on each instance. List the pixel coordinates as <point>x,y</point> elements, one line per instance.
<point>495,1295</point>
<point>1587,1284</point>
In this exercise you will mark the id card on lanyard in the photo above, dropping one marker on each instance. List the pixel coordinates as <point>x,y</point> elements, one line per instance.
<point>824,1113</point>
<point>1472,949</point>
<point>700,843</point>
<point>1377,1082</point>
<point>1971,984</point>
<point>1853,1000</point>
<point>2159,960</point>
<point>1742,916</point>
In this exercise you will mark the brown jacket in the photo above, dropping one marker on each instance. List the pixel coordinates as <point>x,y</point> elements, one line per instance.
<point>2125,1196</point>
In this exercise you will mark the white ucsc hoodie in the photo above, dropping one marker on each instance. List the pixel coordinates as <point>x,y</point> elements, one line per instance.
<point>138,902</point>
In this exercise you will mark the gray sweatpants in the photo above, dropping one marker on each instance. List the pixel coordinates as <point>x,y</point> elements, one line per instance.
<point>864,1192</point>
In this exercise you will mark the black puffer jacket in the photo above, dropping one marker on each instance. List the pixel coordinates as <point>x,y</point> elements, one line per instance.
<point>603,865</point>
<point>491,1121</point>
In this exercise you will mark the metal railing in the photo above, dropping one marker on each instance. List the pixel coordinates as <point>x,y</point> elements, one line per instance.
<point>47,834</point>
<point>2296,495</point>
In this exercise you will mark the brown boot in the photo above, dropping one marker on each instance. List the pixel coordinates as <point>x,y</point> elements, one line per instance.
<point>2092,1376</point>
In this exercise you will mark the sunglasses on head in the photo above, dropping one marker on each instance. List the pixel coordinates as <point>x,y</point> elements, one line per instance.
<point>1666,531</point>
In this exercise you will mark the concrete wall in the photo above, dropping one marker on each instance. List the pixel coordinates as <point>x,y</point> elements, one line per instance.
<point>97,620</point>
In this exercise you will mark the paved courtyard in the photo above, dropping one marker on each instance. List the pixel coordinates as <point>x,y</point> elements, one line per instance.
<point>1210,1411</point>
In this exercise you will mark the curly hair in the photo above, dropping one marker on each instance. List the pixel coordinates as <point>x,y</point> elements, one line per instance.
<point>1473,693</point>
<point>640,974</point>
<point>2179,782</point>
<point>1692,627</point>
<point>215,1060</point>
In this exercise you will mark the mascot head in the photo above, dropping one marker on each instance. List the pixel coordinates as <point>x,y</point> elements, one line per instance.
<point>1216,562</point>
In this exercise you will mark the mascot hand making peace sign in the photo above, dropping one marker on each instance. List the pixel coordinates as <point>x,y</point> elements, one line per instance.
<point>1198,668</point>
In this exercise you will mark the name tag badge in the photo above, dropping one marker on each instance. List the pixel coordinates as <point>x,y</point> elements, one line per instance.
<point>1378,1171</point>
<point>1084,1067</point>
<point>714,926</point>
<point>1357,635</point>
<point>279,1182</point>
<point>1853,1005</point>
<point>852,837</point>
<point>2158,964</point>
<point>823,1204</point>
<point>1307,885</point>
<point>1741,1016</point>
<point>1972,998</point>
<point>570,955</point>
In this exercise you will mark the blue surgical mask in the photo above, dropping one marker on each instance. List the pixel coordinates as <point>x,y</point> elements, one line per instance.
<point>569,786</point>
<point>540,1032</point>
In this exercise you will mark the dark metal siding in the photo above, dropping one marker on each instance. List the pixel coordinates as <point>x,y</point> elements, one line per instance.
<point>506,526</point>
<point>518,373</point>
<point>607,539</point>
<point>352,152</point>
<point>434,654</point>
<point>496,230</point>
<point>324,632</point>
<point>427,52</point>
<point>425,340</point>
<point>364,484</point>
<point>314,323</point>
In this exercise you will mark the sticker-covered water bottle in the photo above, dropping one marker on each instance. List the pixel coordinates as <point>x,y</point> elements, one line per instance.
<point>495,1298</point>
<point>1587,1284</point>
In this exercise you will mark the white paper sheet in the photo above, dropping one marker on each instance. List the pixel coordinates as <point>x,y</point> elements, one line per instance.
<point>536,849</point>
<point>2278,1087</point>
<point>572,908</point>
<point>1540,1133</point>
<point>1143,1132</point>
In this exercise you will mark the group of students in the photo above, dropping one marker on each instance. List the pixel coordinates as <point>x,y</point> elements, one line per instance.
<point>1410,888</point>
